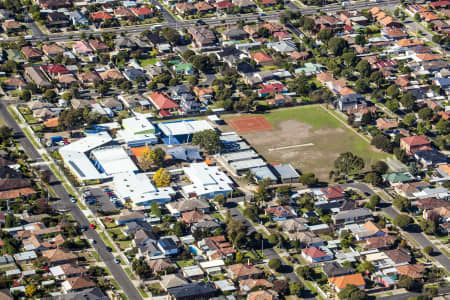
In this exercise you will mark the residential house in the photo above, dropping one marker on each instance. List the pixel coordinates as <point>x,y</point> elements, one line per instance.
<point>11,188</point>
<point>31,53</point>
<point>179,207</point>
<point>185,8</point>
<point>196,290</point>
<point>75,284</point>
<point>308,239</point>
<point>386,124</point>
<point>234,33</point>
<point>90,77</point>
<point>172,281</point>
<point>412,144</point>
<point>202,36</point>
<point>314,254</point>
<point>100,16</point>
<point>408,189</point>
<point>243,271</point>
<point>203,7</point>
<point>89,293</point>
<point>142,12</point>
<point>430,158</point>
<point>129,216</point>
<point>217,247</point>
<point>380,242</point>
<point>13,84</point>
<point>334,269</point>
<point>111,74</point>
<point>163,103</point>
<point>65,271</point>
<point>57,19</point>
<point>350,101</point>
<point>167,246</point>
<point>52,50</point>
<point>400,256</point>
<point>280,213</point>
<point>82,48</point>
<point>397,178</point>
<point>339,283</point>
<point>98,46</point>
<point>412,271</point>
<point>261,58</point>
<point>359,215</point>
<point>77,18</point>
<point>160,266</point>
<point>59,257</point>
<point>263,294</point>
<point>10,26</point>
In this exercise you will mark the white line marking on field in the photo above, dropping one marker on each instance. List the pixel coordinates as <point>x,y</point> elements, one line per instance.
<point>293,146</point>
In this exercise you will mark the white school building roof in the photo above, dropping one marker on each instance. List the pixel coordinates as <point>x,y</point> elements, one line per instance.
<point>184,128</point>
<point>206,180</point>
<point>140,190</point>
<point>114,160</point>
<point>138,124</point>
<point>91,141</point>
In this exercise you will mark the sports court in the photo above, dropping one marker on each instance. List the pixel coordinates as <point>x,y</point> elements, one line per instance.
<point>250,124</point>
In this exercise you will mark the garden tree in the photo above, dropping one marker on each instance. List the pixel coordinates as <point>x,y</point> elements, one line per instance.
<point>10,66</point>
<point>403,221</point>
<point>283,194</point>
<point>428,250</point>
<point>151,158</point>
<point>6,133</point>
<point>171,35</point>
<point>188,54</point>
<point>352,292</point>
<point>426,113</point>
<point>305,272</point>
<point>363,67</point>
<point>377,77</point>
<point>141,268</point>
<point>409,119</point>
<point>380,141</point>
<point>261,194</point>
<point>428,226</point>
<point>401,155</point>
<point>273,239</point>
<point>401,203</point>
<point>30,290</point>
<point>380,167</point>
<point>208,140</point>
<point>308,179</point>
<point>443,126</point>
<point>346,239</point>
<point>409,284</point>
<point>392,91</point>
<point>408,100</point>
<point>362,86</point>
<point>236,232</point>
<point>50,95</point>
<point>220,199</point>
<point>179,228</point>
<point>264,32</point>
<point>26,95</point>
<point>162,178</point>
<point>350,59</point>
<point>393,105</point>
<point>308,24</point>
<point>366,119</point>
<point>424,127</point>
<point>374,201</point>
<point>348,163</point>
<point>275,264</point>
<point>365,266</point>
<point>11,221</point>
<point>325,34</point>
<point>281,287</point>
<point>296,288</point>
<point>155,209</point>
<point>360,39</point>
<point>373,178</point>
<point>10,245</point>
<point>306,202</point>
<point>337,45</point>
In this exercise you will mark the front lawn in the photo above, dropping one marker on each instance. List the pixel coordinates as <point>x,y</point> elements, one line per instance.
<point>148,61</point>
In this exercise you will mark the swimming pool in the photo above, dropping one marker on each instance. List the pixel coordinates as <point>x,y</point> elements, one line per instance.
<point>194,250</point>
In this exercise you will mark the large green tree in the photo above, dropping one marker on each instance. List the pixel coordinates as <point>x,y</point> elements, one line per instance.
<point>349,163</point>
<point>208,140</point>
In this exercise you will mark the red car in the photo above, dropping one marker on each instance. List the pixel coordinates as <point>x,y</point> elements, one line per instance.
<point>109,220</point>
<point>92,226</point>
<point>109,193</point>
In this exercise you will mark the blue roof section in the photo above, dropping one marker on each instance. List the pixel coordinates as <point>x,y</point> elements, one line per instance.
<point>263,172</point>
<point>185,153</point>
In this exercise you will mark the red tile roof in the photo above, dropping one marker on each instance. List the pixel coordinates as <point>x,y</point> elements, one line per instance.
<point>162,102</point>
<point>101,15</point>
<point>314,252</point>
<point>261,57</point>
<point>416,140</point>
<point>142,11</point>
<point>333,192</point>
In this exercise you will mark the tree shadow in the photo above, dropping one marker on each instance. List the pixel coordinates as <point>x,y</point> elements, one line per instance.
<point>285,269</point>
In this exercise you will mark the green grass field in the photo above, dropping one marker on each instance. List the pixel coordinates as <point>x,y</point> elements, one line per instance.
<point>148,61</point>
<point>314,139</point>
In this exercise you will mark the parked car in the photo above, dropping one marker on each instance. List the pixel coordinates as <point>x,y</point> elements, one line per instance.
<point>117,261</point>
<point>92,241</point>
<point>109,220</point>
<point>109,249</point>
<point>72,199</point>
<point>92,226</point>
<point>106,189</point>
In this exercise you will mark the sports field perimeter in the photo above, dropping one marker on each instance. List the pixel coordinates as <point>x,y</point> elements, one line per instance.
<point>308,137</point>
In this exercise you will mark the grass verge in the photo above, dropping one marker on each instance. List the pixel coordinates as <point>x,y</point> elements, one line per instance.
<point>96,256</point>
<point>143,294</point>
<point>130,274</point>
<point>30,137</point>
<point>107,241</point>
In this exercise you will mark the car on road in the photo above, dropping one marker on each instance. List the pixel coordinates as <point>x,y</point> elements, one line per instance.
<point>72,199</point>
<point>92,241</point>
<point>83,228</point>
<point>92,226</point>
<point>109,249</point>
<point>200,22</point>
<point>106,189</point>
<point>117,261</point>
<point>367,194</point>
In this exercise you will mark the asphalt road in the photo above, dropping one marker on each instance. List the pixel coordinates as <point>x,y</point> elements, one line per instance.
<point>64,203</point>
<point>406,296</point>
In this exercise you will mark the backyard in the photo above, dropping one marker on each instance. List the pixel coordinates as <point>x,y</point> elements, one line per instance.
<point>309,138</point>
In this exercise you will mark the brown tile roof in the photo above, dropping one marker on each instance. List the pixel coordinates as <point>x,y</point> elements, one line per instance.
<point>263,295</point>
<point>57,255</point>
<point>413,271</point>
<point>78,283</point>
<point>242,270</point>
<point>30,52</point>
<point>111,74</point>
<point>159,265</point>
<point>52,49</point>
<point>379,242</point>
<point>249,284</point>
<point>398,256</point>
<point>14,82</point>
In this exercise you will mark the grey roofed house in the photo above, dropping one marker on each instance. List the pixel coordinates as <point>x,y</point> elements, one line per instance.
<point>263,172</point>
<point>80,103</point>
<point>309,239</point>
<point>150,250</point>
<point>134,100</point>
<point>124,43</point>
<point>244,3</point>
<point>87,294</point>
<point>184,153</point>
<point>172,281</point>
<point>6,259</point>
<point>188,205</point>
<point>294,225</point>
<point>234,33</point>
<point>133,74</point>
<point>350,101</point>
<point>204,225</point>
<point>132,227</point>
<point>35,75</point>
<point>352,216</point>
<point>155,71</point>
<point>430,157</point>
<point>143,236</point>
<point>282,46</point>
<point>196,290</point>
<point>112,103</point>
<point>129,217</point>
<point>334,269</point>
<point>286,173</point>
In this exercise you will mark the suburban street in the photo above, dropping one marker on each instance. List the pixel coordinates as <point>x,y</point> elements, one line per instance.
<point>64,203</point>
